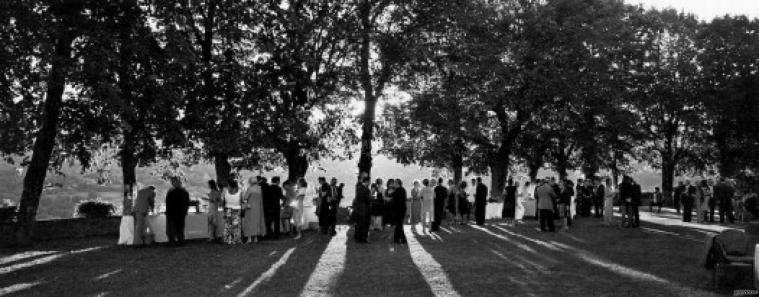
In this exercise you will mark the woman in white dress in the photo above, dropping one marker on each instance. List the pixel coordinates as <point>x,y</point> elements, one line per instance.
<point>253,222</point>
<point>704,195</point>
<point>298,215</point>
<point>232,209</point>
<point>428,207</point>
<point>609,196</point>
<point>416,204</point>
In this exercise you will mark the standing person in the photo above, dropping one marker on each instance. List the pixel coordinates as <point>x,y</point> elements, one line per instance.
<point>233,213</point>
<point>565,200</point>
<point>470,199</point>
<point>416,204</point>
<point>723,193</point>
<point>387,196</point>
<point>299,219</point>
<point>679,191</point>
<point>253,221</point>
<point>325,191</point>
<point>480,202</point>
<point>428,203</point>
<point>598,198</point>
<point>656,200</point>
<point>452,203</point>
<point>441,194</point>
<point>688,199</point>
<point>546,196</point>
<point>377,205</point>
<point>286,216</point>
<point>215,217</point>
<point>523,194</point>
<point>703,194</point>
<point>510,201</point>
<point>398,205</point>
<point>636,202</point>
<point>334,204</point>
<point>611,194</point>
<point>463,204</point>
<point>361,208</point>
<point>711,202</point>
<point>625,198</point>
<point>580,199</point>
<point>143,204</point>
<point>273,198</point>
<point>177,203</point>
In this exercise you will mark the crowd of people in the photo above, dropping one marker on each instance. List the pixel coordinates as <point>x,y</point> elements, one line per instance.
<point>260,209</point>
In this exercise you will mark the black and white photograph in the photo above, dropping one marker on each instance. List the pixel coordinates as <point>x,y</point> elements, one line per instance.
<point>431,148</point>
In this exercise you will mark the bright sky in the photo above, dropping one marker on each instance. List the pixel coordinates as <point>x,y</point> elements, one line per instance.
<point>706,10</point>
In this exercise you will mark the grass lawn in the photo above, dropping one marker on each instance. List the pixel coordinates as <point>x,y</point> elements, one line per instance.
<point>659,259</point>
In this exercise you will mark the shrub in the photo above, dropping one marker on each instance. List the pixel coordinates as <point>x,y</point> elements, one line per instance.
<point>94,209</point>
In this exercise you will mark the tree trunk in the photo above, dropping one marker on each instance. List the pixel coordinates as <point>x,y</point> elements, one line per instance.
<point>370,98</point>
<point>297,164</point>
<point>128,170</point>
<point>128,157</point>
<point>667,176</point>
<point>457,165</point>
<point>222,168</point>
<point>499,173</point>
<point>45,140</point>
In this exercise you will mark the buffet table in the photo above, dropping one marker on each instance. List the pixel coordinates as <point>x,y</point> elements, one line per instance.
<point>196,227</point>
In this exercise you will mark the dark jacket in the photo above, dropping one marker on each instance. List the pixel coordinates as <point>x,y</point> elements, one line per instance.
<point>362,201</point>
<point>273,198</point>
<point>441,194</point>
<point>636,194</point>
<point>481,194</point>
<point>177,202</point>
<point>398,205</point>
<point>566,195</point>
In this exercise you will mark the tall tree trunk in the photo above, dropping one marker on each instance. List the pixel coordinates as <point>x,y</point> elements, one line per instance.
<point>457,165</point>
<point>499,173</point>
<point>128,170</point>
<point>128,157</point>
<point>222,168</point>
<point>297,164</point>
<point>370,98</point>
<point>45,140</point>
<point>667,175</point>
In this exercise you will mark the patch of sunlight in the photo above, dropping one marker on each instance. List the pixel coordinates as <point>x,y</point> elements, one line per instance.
<point>653,230</point>
<point>273,253</point>
<point>268,274</point>
<point>679,223</point>
<point>232,284</point>
<point>533,240</point>
<point>329,268</point>
<point>15,288</point>
<point>431,270</point>
<point>504,238</point>
<point>435,237</point>
<point>24,255</point>
<point>446,230</point>
<point>44,260</point>
<point>508,260</point>
<point>106,275</point>
<point>103,294</point>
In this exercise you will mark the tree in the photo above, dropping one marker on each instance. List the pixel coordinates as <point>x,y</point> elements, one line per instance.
<point>668,90</point>
<point>303,51</point>
<point>730,54</point>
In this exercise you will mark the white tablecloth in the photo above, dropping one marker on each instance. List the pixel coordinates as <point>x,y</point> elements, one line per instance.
<point>196,227</point>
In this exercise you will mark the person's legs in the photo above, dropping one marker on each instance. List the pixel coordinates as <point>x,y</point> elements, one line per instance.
<point>676,202</point>
<point>712,205</point>
<point>687,211</point>
<point>549,218</point>
<point>542,218</point>
<point>180,230</point>
<point>140,225</point>
<point>636,216</point>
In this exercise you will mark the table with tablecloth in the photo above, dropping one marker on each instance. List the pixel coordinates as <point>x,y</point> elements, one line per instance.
<point>196,227</point>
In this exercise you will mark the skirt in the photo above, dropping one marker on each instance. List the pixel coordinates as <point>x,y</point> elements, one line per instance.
<point>416,211</point>
<point>232,230</point>
<point>215,224</point>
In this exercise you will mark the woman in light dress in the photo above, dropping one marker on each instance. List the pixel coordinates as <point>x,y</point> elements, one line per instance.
<point>609,196</point>
<point>232,210</point>
<point>416,203</point>
<point>704,195</point>
<point>253,222</point>
<point>298,214</point>
<point>523,194</point>
<point>428,206</point>
<point>215,217</point>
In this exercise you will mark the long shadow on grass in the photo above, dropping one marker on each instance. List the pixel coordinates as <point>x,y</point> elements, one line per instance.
<point>196,269</point>
<point>380,268</point>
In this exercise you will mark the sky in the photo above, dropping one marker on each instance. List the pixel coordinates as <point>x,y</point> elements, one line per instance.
<point>706,10</point>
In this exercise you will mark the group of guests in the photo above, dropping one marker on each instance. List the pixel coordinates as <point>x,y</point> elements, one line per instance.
<point>705,197</point>
<point>379,205</point>
<point>242,214</point>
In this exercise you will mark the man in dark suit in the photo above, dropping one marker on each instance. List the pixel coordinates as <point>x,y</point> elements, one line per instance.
<point>361,210</point>
<point>273,197</point>
<point>598,198</point>
<point>325,194</point>
<point>688,199</point>
<point>676,199</point>
<point>177,203</point>
<point>334,204</point>
<point>636,201</point>
<point>398,204</point>
<point>723,194</point>
<point>441,193</point>
<point>143,204</point>
<point>480,202</point>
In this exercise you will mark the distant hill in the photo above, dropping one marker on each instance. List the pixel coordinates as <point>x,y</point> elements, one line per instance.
<point>59,200</point>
